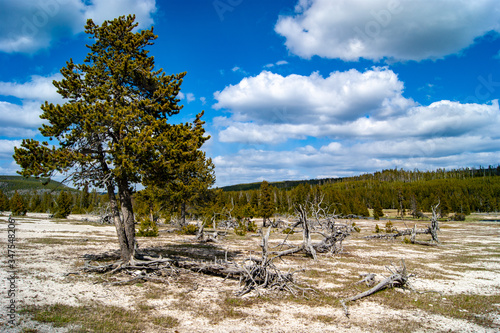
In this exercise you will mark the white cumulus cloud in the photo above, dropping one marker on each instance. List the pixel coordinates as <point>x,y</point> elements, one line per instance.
<point>37,88</point>
<point>347,123</point>
<point>26,115</point>
<point>270,97</point>
<point>30,25</point>
<point>393,29</point>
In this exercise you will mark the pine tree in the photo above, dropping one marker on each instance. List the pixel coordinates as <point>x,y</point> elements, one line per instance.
<point>266,202</point>
<point>84,199</point>
<point>254,200</point>
<point>35,203</point>
<point>113,128</point>
<point>377,210</point>
<point>47,205</point>
<point>4,202</point>
<point>64,204</point>
<point>190,182</point>
<point>17,205</point>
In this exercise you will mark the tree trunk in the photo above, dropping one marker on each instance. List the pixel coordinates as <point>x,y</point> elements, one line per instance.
<point>125,252</point>
<point>128,215</point>
<point>183,213</point>
<point>306,232</point>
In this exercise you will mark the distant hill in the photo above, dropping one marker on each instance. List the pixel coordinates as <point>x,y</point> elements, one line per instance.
<point>12,183</point>
<point>390,175</point>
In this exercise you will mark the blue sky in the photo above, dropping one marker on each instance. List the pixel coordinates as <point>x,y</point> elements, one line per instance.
<point>291,89</point>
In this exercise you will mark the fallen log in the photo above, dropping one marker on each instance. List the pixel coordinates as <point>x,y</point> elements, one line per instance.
<point>399,278</point>
<point>399,233</point>
<point>414,241</point>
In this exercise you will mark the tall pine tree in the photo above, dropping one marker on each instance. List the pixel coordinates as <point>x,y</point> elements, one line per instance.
<point>113,128</point>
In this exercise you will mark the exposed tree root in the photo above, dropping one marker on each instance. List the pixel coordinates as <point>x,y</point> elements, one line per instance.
<point>254,274</point>
<point>263,274</point>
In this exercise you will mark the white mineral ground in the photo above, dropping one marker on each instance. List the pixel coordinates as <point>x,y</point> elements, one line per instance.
<point>42,266</point>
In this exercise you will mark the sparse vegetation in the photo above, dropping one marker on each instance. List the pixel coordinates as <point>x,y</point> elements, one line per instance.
<point>189,229</point>
<point>147,228</point>
<point>389,227</point>
<point>98,317</point>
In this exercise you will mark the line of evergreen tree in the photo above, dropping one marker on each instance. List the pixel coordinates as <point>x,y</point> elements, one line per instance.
<point>389,175</point>
<point>461,191</point>
<point>59,203</point>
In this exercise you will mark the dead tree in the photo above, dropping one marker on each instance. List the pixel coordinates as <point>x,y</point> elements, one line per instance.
<point>434,227</point>
<point>399,233</point>
<point>226,219</point>
<point>323,224</point>
<point>414,241</point>
<point>412,232</point>
<point>104,213</point>
<point>263,273</point>
<point>203,237</point>
<point>399,278</point>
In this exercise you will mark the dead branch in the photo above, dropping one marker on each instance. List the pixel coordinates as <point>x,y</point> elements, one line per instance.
<point>264,274</point>
<point>431,230</point>
<point>203,237</point>
<point>254,274</point>
<point>414,241</point>
<point>323,224</point>
<point>399,278</point>
<point>368,279</point>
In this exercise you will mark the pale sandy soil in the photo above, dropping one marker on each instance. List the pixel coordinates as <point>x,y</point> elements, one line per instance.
<point>467,262</point>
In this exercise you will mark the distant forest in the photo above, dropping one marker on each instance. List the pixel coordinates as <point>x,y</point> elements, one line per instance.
<point>459,191</point>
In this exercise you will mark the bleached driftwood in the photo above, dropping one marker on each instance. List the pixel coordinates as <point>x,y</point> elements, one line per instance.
<point>399,278</point>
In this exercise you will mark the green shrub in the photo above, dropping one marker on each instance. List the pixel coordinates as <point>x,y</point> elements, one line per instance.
<point>245,226</point>
<point>252,227</point>
<point>389,227</point>
<point>377,229</point>
<point>355,227</point>
<point>406,240</point>
<point>240,230</point>
<point>147,228</point>
<point>459,217</point>
<point>189,229</point>
<point>288,231</point>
